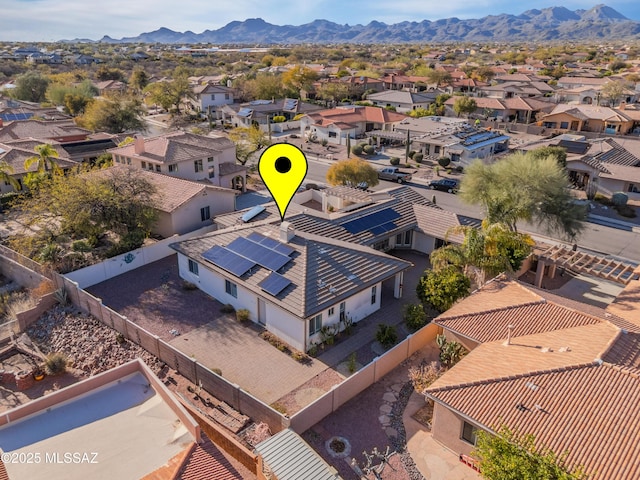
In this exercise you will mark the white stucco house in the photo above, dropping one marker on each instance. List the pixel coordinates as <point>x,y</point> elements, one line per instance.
<point>207,98</point>
<point>292,283</point>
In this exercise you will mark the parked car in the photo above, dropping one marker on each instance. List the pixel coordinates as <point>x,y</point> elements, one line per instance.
<point>359,186</point>
<point>444,185</point>
<point>394,174</point>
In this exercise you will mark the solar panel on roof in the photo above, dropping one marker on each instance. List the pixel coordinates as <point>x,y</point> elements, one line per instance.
<point>274,283</point>
<point>371,221</point>
<point>379,229</point>
<point>11,117</point>
<point>290,104</point>
<point>257,210</point>
<point>245,112</point>
<point>228,260</point>
<point>258,253</point>
<point>271,243</point>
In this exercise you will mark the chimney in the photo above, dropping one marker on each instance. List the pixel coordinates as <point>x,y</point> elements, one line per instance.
<point>509,332</point>
<point>138,144</point>
<point>287,232</point>
<point>622,106</point>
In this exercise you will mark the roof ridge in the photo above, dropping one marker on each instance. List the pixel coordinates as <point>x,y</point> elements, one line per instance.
<point>594,363</point>
<point>492,310</point>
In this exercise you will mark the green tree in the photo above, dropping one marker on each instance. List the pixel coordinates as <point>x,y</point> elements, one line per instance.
<point>450,352</point>
<point>298,78</point>
<point>518,187</point>
<point>612,91</point>
<point>333,91</point>
<point>5,175</point>
<point>117,114</point>
<point>439,77</point>
<point>57,92</point>
<point>352,172</point>
<point>558,153</point>
<point>508,455</point>
<point>442,288</point>
<point>106,73</point>
<point>139,79</point>
<point>44,159</point>
<point>464,105</point>
<point>30,86</point>
<point>414,317</point>
<point>169,94</point>
<point>248,141</point>
<point>484,252</point>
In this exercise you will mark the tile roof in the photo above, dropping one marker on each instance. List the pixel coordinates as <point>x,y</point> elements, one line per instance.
<point>176,147</point>
<point>589,411</point>
<point>15,153</point>
<point>591,112</point>
<point>354,115</point>
<point>627,303</point>
<point>616,154</point>
<point>207,462</point>
<point>40,129</point>
<point>322,271</point>
<point>531,353</point>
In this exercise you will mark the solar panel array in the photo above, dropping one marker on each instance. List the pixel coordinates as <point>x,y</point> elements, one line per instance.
<point>11,117</point>
<point>228,260</point>
<point>245,112</point>
<point>271,243</point>
<point>290,104</point>
<point>260,254</point>
<point>376,223</point>
<point>274,283</point>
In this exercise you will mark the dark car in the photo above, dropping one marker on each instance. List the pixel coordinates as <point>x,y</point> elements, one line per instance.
<point>444,185</point>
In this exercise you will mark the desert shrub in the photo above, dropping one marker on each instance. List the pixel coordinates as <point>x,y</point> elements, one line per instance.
<point>602,199</point>
<point>412,153</point>
<point>356,150</point>
<point>444,161</point>
<point>217,371</point>
<point>188,285</point>
<point>394,161</point>
<point>44,288</point>
<point>422,376</point>
<point>55,364</point>
<point>279,119</point>
<point>243,315</point>
<point>418,157</point>
<point>619,198</point>
<point>386,335</point>
<point>227,308</point>
<point>459,169</point>
<point>368,149</point>
<point>278,407</point>
<point>414,317</point>
<point>324,142</point>
<point>80,246</point>
<point>351,363</point>
<point>61,296</point>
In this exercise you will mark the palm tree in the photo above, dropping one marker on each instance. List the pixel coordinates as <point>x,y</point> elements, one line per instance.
<point>485,252</point>
<point>5,171</point>
<point>44,159</point>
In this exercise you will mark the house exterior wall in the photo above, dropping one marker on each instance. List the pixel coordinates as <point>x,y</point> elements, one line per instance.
<point>285,325</point>
<point>188,217</point>
<point>446,428</point>
<point>423,243</point>
<point>207,100</point>
<point>163,225</point>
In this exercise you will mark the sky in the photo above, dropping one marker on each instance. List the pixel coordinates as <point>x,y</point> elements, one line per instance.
<point>52,20</point>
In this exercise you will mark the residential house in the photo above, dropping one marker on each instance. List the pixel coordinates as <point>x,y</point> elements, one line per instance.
<point>588,118</point>
<point>454,138</point>
<point>182,205</point>
<point>402,101</point>
<point>514,109</point>
<point>208,98</point>
<point>156,436</point>
<point>291,282</point>
<point>541,365</point>
<point>186,155</point>
<point>261,112</point>
<point>61,131</point>
<point>15,153</point>
<point>515,89</point>
<point>110,87</point>
<point>336,124</point>
<point>394,81</point>
<point>85,60</point>
<point>573,82</point>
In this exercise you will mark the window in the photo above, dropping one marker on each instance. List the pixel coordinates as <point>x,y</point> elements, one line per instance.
<point>399,239</point>
<point>633,188</point>
<point>315,324</point>
<point>226,96</point>
<point>331,311</point>
<point>564,125</point>
<point>333,134</point>
<point>158,168</point>
<point>143,165</point>
<point>151,167</point>
<point>210,159</point>
<point>231,288</point>
<point>197,166</point>
<point>374,294</point>
<point>193,267</point>
<point>436,149</point>
<point>213,97</point>
<point>205,213</point>
<point>407,237</point>
<point>117,158</point>
<point>212,172</point>
<point>173,168</point>
<point>469,433</point>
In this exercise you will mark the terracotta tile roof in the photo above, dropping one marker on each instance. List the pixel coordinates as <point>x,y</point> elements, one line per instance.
<point>176,147</point>
<point>625,351</point>
<point>627,303</point>
<point>493,296</point>
<point>15,153</point>
<point>208,462</point>
<point>354,115</point>
<point>322,271</point>
<point>531,353</point>
<point>589,411</point>
<point>482,102</point>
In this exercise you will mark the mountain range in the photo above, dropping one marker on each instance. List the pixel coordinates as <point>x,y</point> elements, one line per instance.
<point>549,24</point>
